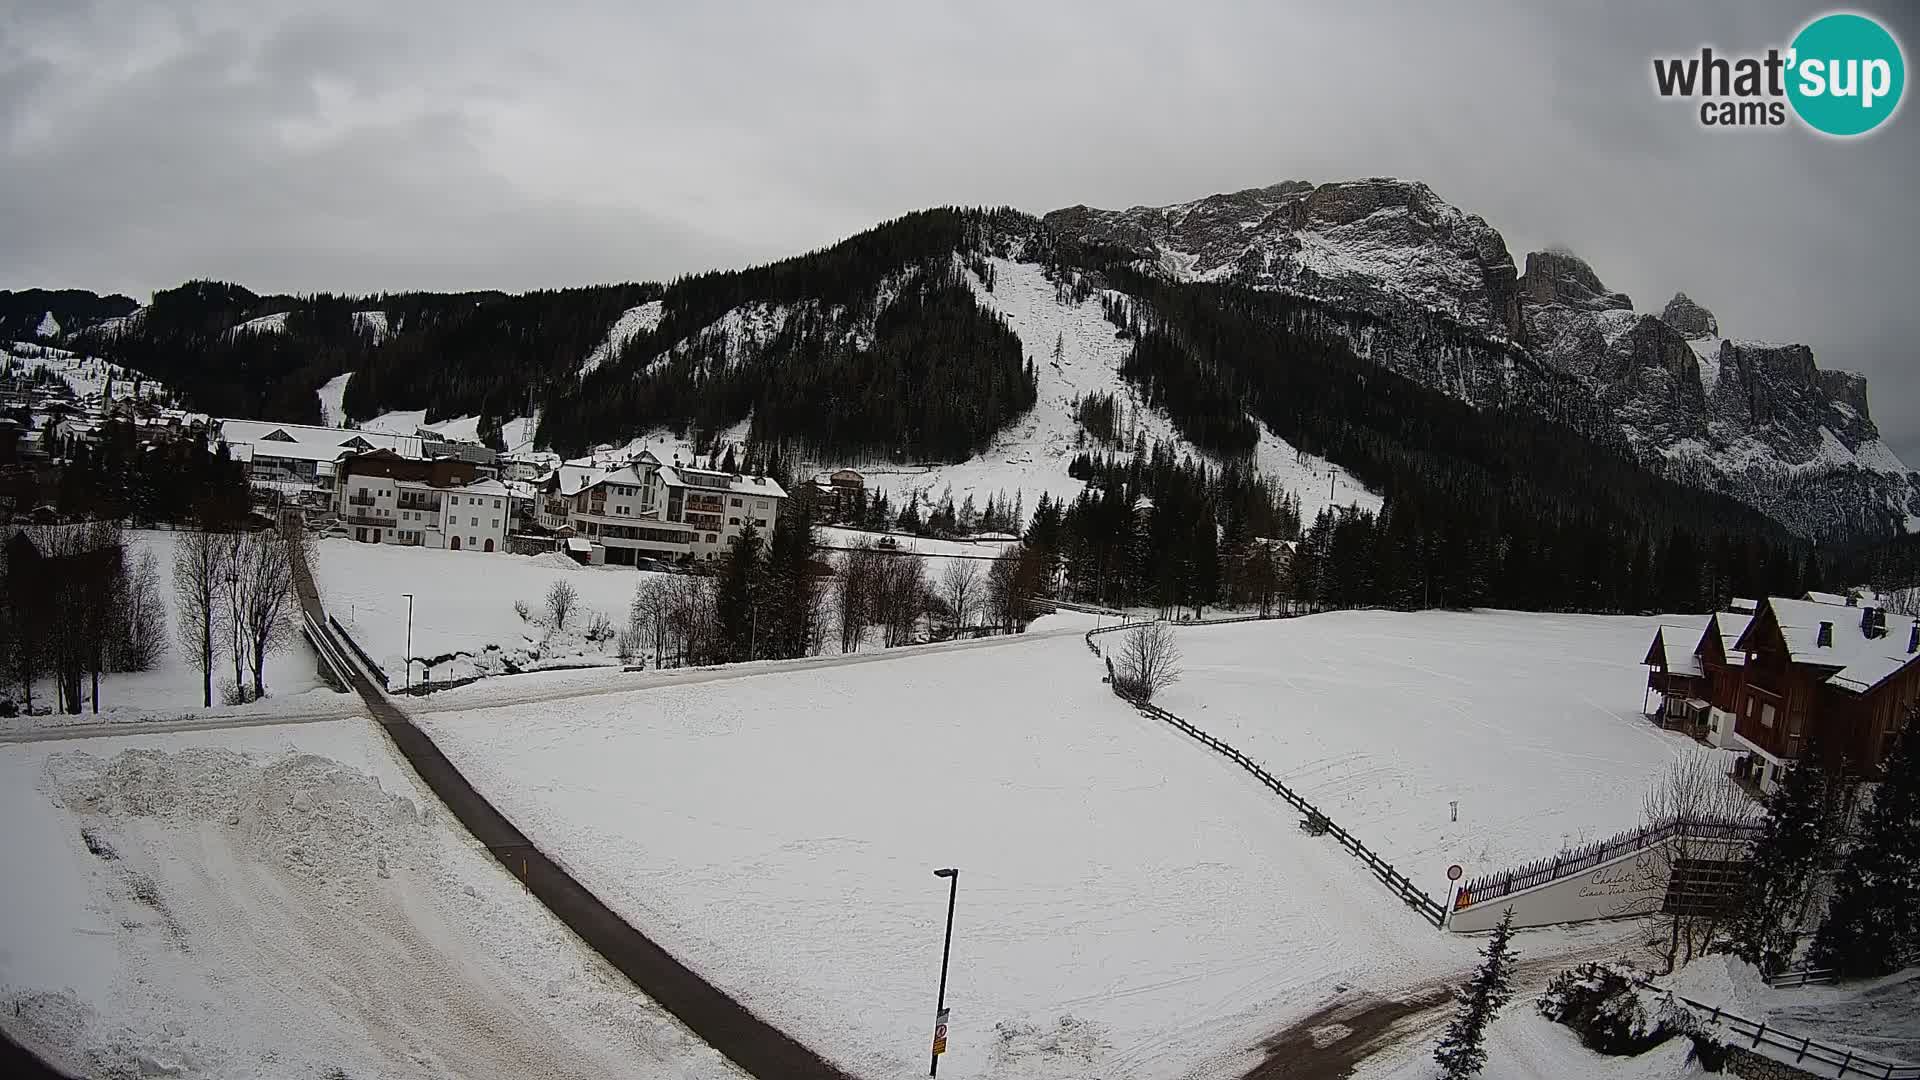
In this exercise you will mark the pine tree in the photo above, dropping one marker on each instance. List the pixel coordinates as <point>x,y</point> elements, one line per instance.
<point>1803,824</point>
<point>1462,1051</point>
<point>1873,923</point>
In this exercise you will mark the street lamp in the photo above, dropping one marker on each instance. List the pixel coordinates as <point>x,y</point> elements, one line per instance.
<point>946,952</point>
<point>409,597</point>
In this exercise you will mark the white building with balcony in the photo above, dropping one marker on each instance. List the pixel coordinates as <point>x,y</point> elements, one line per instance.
<point>645,510</point>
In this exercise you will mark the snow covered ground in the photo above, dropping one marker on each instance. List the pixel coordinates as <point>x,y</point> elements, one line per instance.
<point>1129,906</point>
<point>1532,722</point>
<point>1031,454</point>
<point>173,688</point>
<point>288,901</point>
<point>463,614</point>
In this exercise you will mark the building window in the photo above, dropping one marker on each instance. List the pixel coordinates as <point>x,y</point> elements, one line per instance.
<point>496,523</point>
<point>736,502</point>
<point>712,539</point>
<point>759,504</point>
<point>471,541</point>
<point>1766,716</point>
<point>733,521</point>
<point>496,504</point>
<point>475,522</point>
<point>760,522</point>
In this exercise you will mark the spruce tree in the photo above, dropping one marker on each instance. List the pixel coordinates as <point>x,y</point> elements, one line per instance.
<point>1873,923</point>
<point>1801,828</point>
<point>736,599</point>
<point>1462,1051</point>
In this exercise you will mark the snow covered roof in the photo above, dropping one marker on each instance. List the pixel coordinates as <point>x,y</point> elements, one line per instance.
<point>284,440</point>
<point>1825,598</point>
<point>580,544</point>
<point>1862,662</point>
<point>1730,625</point>
<point>1673,648</point>
<point>758,486</point>
<point>483,487</point>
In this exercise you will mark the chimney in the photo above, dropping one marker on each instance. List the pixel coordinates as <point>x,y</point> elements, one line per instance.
<point>1853,599</point>
<point>1825,640</point>
<point>1873,622</point>
<point>1913,638</point>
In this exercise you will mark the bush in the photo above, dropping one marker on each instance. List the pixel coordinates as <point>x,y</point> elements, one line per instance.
<point>599,628</point>
<point>1604,1005</point>
<point>1314,825</point>
<point>520,609</point>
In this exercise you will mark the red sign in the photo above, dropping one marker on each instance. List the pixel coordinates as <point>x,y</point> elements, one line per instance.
<point>940,1032</point>
<point>1453,872</point>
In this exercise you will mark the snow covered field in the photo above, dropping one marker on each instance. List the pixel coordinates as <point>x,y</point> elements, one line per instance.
<point>463,615</point>
<point>1532,722</point>
<point>288,902</point>
<point>1129,906</point>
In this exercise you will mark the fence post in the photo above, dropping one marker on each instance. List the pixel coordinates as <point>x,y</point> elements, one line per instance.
<point>1758,1032</point>
<point>1805,1041</point>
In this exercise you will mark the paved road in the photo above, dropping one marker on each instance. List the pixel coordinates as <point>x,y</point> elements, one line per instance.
<point>757,1047</point>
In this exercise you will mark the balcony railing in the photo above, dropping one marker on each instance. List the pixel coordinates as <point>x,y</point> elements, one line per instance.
<point>360,500</point>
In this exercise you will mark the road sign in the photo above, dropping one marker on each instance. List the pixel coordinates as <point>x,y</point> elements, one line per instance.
<point>940,1033</point>
<point>1453,872</point>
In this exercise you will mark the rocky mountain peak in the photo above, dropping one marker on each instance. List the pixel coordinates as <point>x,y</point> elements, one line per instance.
<point>1692,320</point>
<point>1561,277</point>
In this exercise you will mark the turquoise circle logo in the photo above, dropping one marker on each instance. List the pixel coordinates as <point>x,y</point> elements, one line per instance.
<point>1847,74</point>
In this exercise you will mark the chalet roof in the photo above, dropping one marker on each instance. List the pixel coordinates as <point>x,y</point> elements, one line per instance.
<point>1825,598</point>
<point>1673,648</point>
<point>758,486</point>
<point>1858,663</point>
<point>1730,625</point>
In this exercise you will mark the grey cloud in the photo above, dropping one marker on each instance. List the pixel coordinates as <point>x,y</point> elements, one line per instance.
<point>362,146</point>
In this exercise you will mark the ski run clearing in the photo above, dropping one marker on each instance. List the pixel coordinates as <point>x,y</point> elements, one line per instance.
<point>289,901</point>
<point>1031,454</point>
<point>1130,905</point>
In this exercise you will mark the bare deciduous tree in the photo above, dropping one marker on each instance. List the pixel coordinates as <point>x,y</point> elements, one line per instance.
<point>199,575</point>
<point>960,588</point>
<point>263,613</point>
<point>1695,791</point>
<point>142,630</point>
<point>562,598</point>
<point>852,595</point>
<point>1149,661</point>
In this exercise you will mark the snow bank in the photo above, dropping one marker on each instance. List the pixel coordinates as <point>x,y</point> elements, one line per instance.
<point>1531,722</point>
<point>289,903</point>
<point>1129,906</point>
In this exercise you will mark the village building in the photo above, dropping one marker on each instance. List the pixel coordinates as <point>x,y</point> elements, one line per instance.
<point>1832,666</point>
<point>640,510</point>
<point>386,498</point>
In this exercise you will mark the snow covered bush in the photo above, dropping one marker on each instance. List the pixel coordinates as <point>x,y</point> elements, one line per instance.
<point>1611,1012</point>
<point>599,628</point>
<point>520,609</point>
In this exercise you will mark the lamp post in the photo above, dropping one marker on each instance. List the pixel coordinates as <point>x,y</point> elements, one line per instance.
<point>409,597</point>
<point>946,952</point>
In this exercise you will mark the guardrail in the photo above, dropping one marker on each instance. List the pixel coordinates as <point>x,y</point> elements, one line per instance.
<point>1847,1062</point>
<point>330,656</point>
<point>372,668</point>
<point>1788,980</point>
<point>1489,887</point>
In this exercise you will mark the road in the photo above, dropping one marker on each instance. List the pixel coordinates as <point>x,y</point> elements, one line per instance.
<point>757,1047</point>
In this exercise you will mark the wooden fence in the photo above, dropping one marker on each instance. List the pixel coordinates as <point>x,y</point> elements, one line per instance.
<point>1804,1050</point>
<point>1425,906</point>
<point>1576,860</point>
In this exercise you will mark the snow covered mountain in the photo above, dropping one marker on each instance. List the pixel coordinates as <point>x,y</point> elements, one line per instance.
<point>1758,421</point>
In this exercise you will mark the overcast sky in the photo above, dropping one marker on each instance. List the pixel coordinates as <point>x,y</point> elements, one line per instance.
<point>367,145</point>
